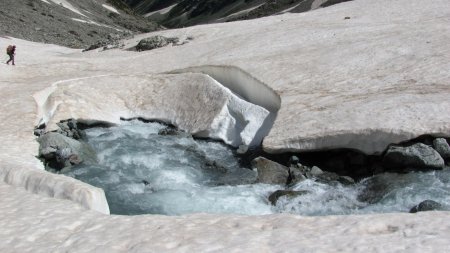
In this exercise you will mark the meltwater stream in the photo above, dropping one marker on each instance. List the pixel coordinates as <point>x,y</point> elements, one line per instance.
<point>143,172</point>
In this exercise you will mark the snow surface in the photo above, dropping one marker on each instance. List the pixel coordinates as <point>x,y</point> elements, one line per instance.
<point>32,223</point>
<point>380,77</point>
<point>160,12</point>
<point>316,4</point>
<point>67,5</point>
<point>241,12</point>
<point>110,8</point>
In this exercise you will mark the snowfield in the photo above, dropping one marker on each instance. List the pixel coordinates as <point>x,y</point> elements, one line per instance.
<point>378,77</point>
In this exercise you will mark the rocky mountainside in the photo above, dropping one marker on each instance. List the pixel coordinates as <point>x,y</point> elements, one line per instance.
<point>179,13</point>
<point>72,23</point>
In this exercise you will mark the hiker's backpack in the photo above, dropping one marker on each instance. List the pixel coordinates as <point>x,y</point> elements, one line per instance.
<point>9,49</point>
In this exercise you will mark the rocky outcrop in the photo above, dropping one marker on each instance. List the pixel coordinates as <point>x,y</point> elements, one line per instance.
<point>374,190</point>
<point>427,205</point>
<point>155,42</point>
<point>180,13</point>
<point>270,172</point>
<point>299,172</point>
<point>416,156</point>
<point>76,23</point>
<point>70,129</point>
<point>442,147</point>
<point>110,42</point>
<point>169,131</point>
<point>59,151</point>
<point>273,198</point>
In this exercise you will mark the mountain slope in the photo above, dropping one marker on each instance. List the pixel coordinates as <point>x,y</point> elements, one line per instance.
<point>73,23</point>
<point>178,13</point>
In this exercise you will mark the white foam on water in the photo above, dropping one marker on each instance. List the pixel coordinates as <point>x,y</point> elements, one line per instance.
<point>322,199</point>
<point>407,190</point>
<point>168,174</point>
<point>400,193</point>
<point>143,172</point>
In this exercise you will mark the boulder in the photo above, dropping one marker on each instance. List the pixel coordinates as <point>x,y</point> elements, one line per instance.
<point>315,171</point>
<point>273,198</point>
<point>155,42</point>
<point>296,174</point>
<point>331,178</point>
<point>242,149</point>
<point>270,172</point>
<point>293,160</point>
<point>375,189</point>
<point>168,131</point>
<point>427,205</point>
<point>60,151</point>
<point>69,128</point>
<point>417,156</point>
<point>442,147</point>
<point>345,180</point>
<point>327,177</point>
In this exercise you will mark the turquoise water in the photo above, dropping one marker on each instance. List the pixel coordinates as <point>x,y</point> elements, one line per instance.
<point>146,173</point>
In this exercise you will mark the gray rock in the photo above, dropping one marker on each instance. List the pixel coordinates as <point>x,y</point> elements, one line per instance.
<point>293,160</point>
<point>242,149</point>
<point>74,159</point>
<point>296,175</point>
<point>155,42</point>
<point>63,125</point>
<point>316,171</point>
<point>345,180</point>
<point>375,189</point>
<point>64,152</point>
<point>273,198</point>
<point>270,172</point>
<point>38,132</point>
<point>60,151</point>
<point>69,128</point>
<point>72,124</point>
<point>47,152</point>
<point>327,177</point>
<point>168,131</point>
<point>442,147</point>
<point>417,156</point>
<point>427,205</point>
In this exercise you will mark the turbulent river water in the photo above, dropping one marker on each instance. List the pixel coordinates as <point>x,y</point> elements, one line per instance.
<point>143,172</point>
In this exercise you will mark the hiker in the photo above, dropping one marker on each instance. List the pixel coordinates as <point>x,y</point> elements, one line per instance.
<point>11,51</point>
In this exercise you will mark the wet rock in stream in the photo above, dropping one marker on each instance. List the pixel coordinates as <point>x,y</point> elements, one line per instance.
<point>59,151</point>
<point>273,198</point>
<point>427,205</point>
<point>416,156</point>
<point>270,172</point>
